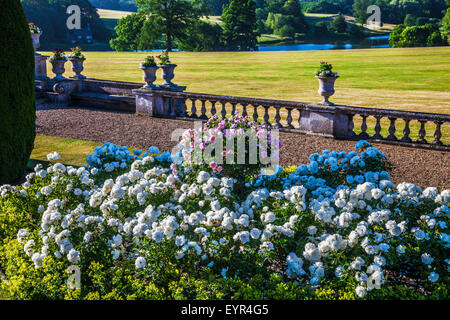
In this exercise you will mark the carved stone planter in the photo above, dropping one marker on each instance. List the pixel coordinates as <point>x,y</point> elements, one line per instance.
<point>77,68</point>
<point>150,77</point>
<point>36,43</point>
<point>168,75</point>
<point>58,69</point>
<point>326,88</point>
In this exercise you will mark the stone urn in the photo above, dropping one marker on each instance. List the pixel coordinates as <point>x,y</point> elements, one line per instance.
<point>36,43</point>
<point>326,88</point>
<point>168,74</point>
<point>77,68</point>
<point>58,69</point>
<point>150,77</point>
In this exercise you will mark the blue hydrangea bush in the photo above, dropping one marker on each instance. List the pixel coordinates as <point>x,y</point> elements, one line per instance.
<point>138,227</point>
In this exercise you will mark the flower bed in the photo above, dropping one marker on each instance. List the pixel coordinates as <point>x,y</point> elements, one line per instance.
<point>141,226</point>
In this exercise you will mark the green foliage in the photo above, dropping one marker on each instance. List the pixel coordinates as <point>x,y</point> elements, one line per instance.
<point>216,6</point>
<point>410,20</point>
<point>239,25</point>
<point>149,62</point>
<point>50,15</point>
<point>225,267</point>
<point>202,36</point>
<point>325,70</point>
<point>356,31</point>
<point>320,30</point>
<point>122,5</point>
<point>416,36</point>
<point>446,23</point>
<point>396,11</point>
<point>323,7</point>
<point>283,18</point>
<point>359,10</point>
<point>338,24</point>
<point>129,34</point>
<point>171,18</point>
<point>17,97</point>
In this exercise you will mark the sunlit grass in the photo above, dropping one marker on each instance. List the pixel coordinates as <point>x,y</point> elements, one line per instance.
<point>414,79</point>
<point>72,151</point>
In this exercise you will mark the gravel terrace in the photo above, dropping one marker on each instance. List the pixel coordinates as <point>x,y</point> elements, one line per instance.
<point>419,166</point>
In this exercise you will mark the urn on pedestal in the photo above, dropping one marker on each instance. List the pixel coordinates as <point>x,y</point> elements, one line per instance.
<point>326,82</point>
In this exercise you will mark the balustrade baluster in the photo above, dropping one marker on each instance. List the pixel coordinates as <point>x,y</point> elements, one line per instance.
<point>422,132</point>
<point>266,116</point>
<point>244,110</point>
<point>406,131</point>
<point>377,134</point>
<point>392,129</point>
<point>278,118</point>
<point>438,134</point>
<point>193,109</point>
<point>364,134</point>
<point>351,126</point>
<point>213,107</point>
<point>203,110</point>
<point>289,119</point>
<point>233,109</point>
<point>255,113</point>
<point>223,112</point>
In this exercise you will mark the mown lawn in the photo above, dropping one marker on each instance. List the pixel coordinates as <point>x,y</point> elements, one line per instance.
<point>72,151</point>
<point>410,79</point>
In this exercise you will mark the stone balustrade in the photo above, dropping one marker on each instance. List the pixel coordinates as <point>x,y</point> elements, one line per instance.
<point>336,121</point>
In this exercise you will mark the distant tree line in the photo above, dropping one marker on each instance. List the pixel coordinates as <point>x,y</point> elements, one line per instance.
<point>281,17</point>
<point>184,25</point>
<point>123,5</point>
<point>51,16</point>
<point>408,12</point>
<point>421,32</point>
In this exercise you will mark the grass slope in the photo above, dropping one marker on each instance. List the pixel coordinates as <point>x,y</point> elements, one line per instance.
<point>413,79</point>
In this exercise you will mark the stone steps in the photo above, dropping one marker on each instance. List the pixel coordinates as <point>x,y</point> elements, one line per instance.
<point>104,101</point>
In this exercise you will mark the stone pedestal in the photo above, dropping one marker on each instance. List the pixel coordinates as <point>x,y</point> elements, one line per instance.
<point>150,102</point>
<point>325,121</point>
<point>40,67</point>
<point>62,90</point>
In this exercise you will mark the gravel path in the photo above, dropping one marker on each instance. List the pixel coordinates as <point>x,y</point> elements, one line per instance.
<point>420,166</point>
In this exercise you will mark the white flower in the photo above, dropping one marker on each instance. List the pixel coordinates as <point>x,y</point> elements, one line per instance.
<point>22,234</point>
<point>140,263</point>
<point>426,258</point>
<point>255,233</point>
<point>400,249</point>
<point>312,230</point>
<point>53,156</point>
<point>361,291</point>
<point>115,254</point>
<point>73,256</point>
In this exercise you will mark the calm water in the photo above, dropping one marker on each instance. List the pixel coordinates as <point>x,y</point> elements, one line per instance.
<point>370,42</point>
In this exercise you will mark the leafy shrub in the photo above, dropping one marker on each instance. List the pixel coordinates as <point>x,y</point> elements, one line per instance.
<point>17,98</point>
<point>336,228</point>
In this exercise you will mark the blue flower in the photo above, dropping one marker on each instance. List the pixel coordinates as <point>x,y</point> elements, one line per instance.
<point>361,144</point>
<point>349,179</point>
<point>302,170</point>
<point>153,150</point>
<point>313,167</point>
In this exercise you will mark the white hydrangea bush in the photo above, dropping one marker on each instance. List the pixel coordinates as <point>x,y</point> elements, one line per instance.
<point>336,222</point>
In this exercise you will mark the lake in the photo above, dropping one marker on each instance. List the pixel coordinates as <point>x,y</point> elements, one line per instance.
<point>369,42</point>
